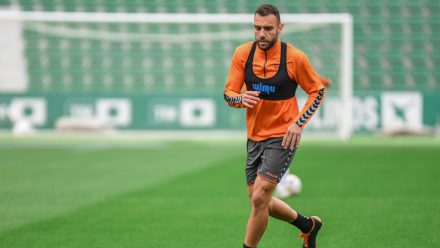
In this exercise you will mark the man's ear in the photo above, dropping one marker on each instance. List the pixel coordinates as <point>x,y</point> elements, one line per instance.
<point>280,27</point>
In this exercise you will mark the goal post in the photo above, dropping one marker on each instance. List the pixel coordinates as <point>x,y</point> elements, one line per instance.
<point>345,79</point>
<point>74,60</point>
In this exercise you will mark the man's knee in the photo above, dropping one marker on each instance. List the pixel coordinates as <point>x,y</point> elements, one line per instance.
<point>261,197</point>
<point>250,189</point>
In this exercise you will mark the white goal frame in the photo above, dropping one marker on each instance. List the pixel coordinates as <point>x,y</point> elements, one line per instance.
<point>345,20</point>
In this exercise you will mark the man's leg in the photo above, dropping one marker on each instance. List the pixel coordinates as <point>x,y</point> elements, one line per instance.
<point>270,159</point>
<point>261,197</point>
<point>282,211</point>
<point>277,208</point>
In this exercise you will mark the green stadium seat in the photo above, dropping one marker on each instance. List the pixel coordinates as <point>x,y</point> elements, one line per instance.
<point>405,27</point>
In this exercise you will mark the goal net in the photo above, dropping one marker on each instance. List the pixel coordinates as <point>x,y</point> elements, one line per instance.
<point>153,71</point>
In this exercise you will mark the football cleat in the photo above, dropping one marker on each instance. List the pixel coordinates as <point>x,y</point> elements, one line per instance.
<point>310,237</point>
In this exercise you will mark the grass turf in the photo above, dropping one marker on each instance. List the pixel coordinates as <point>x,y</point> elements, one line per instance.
<point>191,194</point>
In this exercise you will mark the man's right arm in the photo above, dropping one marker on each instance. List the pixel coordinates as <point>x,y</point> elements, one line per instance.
<point>234,83</point>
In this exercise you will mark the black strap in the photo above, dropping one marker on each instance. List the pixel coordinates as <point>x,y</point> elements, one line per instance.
<point>251,55</point>
<point>283,61</point>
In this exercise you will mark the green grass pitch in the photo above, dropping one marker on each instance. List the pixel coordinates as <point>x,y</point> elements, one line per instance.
<point>108,193</point>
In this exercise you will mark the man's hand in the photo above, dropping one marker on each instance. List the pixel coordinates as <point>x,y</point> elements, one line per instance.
<point>250,98</point>
<point>292,137</point>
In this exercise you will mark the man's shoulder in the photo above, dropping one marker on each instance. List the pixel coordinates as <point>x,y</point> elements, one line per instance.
<point>244,48</point>
<point>242,52</point>
<point>294,52</point>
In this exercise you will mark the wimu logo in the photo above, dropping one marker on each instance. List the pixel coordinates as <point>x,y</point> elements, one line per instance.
<point>264,88</point>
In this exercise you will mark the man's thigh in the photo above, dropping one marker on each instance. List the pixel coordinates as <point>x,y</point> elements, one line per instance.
<point>275,161</point>
<point>268,159</point>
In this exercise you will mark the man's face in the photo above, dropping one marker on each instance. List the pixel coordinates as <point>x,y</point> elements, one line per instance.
<point>266,29</point>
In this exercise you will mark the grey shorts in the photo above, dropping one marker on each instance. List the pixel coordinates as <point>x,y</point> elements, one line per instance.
<point>267,159</point>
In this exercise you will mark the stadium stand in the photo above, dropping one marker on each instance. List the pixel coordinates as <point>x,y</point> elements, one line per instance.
<point>396,46</point>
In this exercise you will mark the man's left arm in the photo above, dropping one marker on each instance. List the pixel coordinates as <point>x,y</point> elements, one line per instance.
<point>311,83</point>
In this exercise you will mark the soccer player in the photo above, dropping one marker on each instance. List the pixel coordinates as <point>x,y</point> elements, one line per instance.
<point>272,71</point>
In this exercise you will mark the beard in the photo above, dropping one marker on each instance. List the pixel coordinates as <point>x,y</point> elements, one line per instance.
<point>265,44</point>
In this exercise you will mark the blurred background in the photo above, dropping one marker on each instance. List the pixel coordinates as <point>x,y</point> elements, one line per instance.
<point>114,131</point>
<point>66,75</point>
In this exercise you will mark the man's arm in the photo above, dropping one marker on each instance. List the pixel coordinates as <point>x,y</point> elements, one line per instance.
<point>314,100</point>
<point>293,134</point>
<point>234,84</point>
<point>312,84</point>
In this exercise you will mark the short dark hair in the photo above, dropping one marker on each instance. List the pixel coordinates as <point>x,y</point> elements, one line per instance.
<point>267,9</point>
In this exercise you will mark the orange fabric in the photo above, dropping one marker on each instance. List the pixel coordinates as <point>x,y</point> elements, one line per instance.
<point>325,81</point>
<point>271,118</point>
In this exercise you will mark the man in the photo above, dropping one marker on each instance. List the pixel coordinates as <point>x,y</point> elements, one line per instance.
<point>271,71</point>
